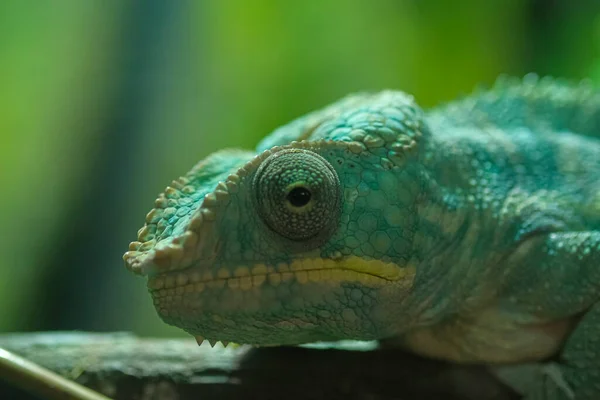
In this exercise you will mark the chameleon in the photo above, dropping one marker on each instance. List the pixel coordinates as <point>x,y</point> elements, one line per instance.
<point>466,232</point>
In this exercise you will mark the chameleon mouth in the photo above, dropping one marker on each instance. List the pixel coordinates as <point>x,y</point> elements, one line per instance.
<point>372,273</point>
<point>218,304</point>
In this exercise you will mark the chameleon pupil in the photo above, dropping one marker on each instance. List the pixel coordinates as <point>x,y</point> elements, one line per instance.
<point>299,197</point>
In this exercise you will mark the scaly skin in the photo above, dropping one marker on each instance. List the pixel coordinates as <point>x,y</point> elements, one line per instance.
<point>470,232</point>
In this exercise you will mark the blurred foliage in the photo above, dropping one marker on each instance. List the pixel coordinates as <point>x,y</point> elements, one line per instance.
<point>102,104</point>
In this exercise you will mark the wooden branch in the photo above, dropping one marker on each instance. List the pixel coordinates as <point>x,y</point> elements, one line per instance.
<point>40,381</point>
<point>122,366</point>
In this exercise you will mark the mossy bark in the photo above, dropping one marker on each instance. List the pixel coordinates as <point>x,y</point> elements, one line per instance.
<point>123,366</point>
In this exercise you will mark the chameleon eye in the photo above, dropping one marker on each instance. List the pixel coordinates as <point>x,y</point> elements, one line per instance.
<point>299,197</point>
<point>297,194</point>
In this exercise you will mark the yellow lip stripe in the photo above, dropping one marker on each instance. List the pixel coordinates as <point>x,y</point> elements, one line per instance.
<point>355,269</point>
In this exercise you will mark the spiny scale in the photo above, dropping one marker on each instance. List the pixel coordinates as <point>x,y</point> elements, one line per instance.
<point>201,339</point>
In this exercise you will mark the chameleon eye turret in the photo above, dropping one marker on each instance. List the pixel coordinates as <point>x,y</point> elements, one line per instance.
<point>297,195</point>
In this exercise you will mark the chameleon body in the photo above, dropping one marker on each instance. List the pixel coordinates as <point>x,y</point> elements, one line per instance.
<point>469,232</point>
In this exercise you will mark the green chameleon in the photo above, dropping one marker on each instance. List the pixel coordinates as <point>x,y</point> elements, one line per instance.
<point>470,232</point>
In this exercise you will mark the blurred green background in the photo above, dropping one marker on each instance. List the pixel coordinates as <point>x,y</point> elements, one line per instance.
<point>103,103</point>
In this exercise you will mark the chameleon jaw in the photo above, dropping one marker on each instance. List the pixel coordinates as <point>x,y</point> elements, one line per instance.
<point>208,305</point>
<point>373,273</point>
<point>205,304</point>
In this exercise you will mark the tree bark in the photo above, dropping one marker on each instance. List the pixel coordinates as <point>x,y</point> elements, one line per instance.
<point>123,366</point>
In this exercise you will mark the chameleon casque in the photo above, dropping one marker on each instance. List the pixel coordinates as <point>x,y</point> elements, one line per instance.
<point>469,232</point>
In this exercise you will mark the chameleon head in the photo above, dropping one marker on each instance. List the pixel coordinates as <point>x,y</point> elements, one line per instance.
<point>304,242</point>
